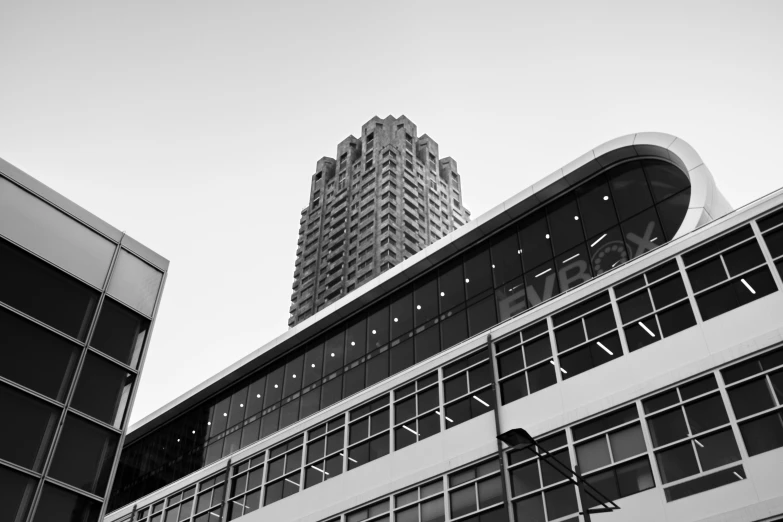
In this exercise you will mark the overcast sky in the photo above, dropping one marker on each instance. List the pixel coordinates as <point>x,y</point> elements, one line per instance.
<point>195,126</point>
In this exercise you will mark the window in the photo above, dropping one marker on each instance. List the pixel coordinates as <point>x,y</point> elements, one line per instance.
<point>607,450</point>
<point>285,460</point>
<point>755,390</point>
<point>772,228</point>
<point>416,411</point>
<point>368,432</point>
<point>538,489</point>
<point>477,488</point>
<point>654,305</point>
<point>210,498</point>
<point>689,429</point>
<point>588,341</point>
<point>728,272</point>
<point>373,513</point>
<point>421,504</point>
<point>180,506</point>
<point>468,388</point>
<point>525,362</point>
<point>325,445</point>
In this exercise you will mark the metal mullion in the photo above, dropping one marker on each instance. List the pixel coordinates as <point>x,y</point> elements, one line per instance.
<point>650,449</point>
<point>618,321</point>
<point>74,489</point>
<point>22,469</point>
<point>689,289</point>
<point>111,359</point>
<point>730,413</point>
<point>765,252</point>
<point>553,347</point>
<point>29,391</point>
<point>69,397</point>
<point>99,422</point>
<point>43,325</point>
<point>346,430</point>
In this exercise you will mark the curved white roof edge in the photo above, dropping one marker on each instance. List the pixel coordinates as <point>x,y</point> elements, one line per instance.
<point>706,204</point>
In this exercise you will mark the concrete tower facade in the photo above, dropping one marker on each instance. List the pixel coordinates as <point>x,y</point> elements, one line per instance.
<point>387,196</point>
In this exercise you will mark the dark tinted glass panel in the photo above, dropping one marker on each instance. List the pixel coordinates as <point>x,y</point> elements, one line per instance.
<point>454,328</point>
<point>313,364</point>
<point>665,179</point>
<point>490,491</point>
<point>593,454</point>
<point>84,455</point>
<point>288,415</point>
<point>698,387</point>
<point>353,380</point>
<point>506,258</point>
<point>427,343</point>
<point>642,233</point>
<point>635,306</point>
<point>629,286</point>
<point>478,273</point>
<point>754,285</point>
<point>61,505</point>
<point>607,250</point>
<point>595,203</point>
<point>334,354</point>
<point>667,427</point>
<point>401,315</point>
<point>377,367</point>
<point>541,377</point>
<point>481,316</point>
<point>103,390</point>
<point>120,333</point>
<point>600,322</point>
<point>606,483</point>
<point>672,212</point>
<point>605,422</point>
<point>25,345</point>
<point>513,389</point>
<point>541,284</point>
<point>771,220</point>
<point>568,336</point>
<point>451,287</point>
<point>677,462</point>
<point>705,483</point>
<point>750,398</point>
<point>34,422</point>
<point>401,356</point>
<point>668,291</point>
<point>525,479</point>
<point>629,189</point>
<point>706,414</point>
<point>717,449</point>
<point>355,341</point>
<point>582,308</point>
<point>378,328</point>
<point>535,241</point>
<point>716,302</point>
<point>331,392</point>
<point>463,501</point>
<point>18,490</point>
<point>510,362</point>
<point>661,401</point>
<point>641,333</point>
<point>676,319</point>
<point>564,224</point>
<point>763,434</point>
<point>560,501</point>
<point>707,274</point>
<point>425,302</point>
<point>573,267</point>
<point>743,258</point>
<point>774,242</point>
<point>274,386</point>
<point>511,298</point>
<point>530,509</point>
<point>51,296</point>
<point>537,350</point>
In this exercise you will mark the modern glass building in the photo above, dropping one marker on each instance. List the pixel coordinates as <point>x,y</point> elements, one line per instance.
<point>77,303</point>
<point>618,310</point>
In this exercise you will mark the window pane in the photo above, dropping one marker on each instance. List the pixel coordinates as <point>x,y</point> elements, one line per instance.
<point>84,455</point>
<point>513,389</point>
<point>668,292</point>
<point>774,242</point>
<point>425,302</point>
<point>25,345</point>
<point>606,483</point>
<point>274,387</point>
<point>103,390</point>
<point>667,427</point>
<point>355,341</point>
<point>378,328</point>
<point>313,365</point>
<point>717,301</point>
<point>481,316</point>
<point>629,189</point>
<point>120,333</point>
<point>600,322</point>
<point>541,283</point>
<point>677,462</point>
<point>535,240</point>
<point>401,356</point>
<point>595,203</point>
<point>458,412</point>
<point>706,414</point>
<point>379,447</point>
<point>676,319</point>
<point>573,267</point>
<point>763,434</point>
<point>478,273</point>
<point>433,510</point>
<point>627,442</point>
<point>635,306</point>
<point>530,509</point>
<point>334,353</point>
<point>743,258</point>
<point>407,515</point>
<point>642,233</point>
<point>134,282</point>
<point>34,423</point>
<point>63,506</point>
<point>563,217</point>
<point>451,287</point>
<point>665,179</point>
<point>551,472</point>
<point>537,350</point>
<point>541,377</point>
<point>43,292</point>
<point>593,455</point>
<point>570,335</point>
<point>607,250</point>
<point>463,501</point>
<point>641,333</point>
<point>377,367</point>
<point>454,328</point>
<point>560,501</point>
<point>490,491</point>
<point>511,298</point>
<point>292,380</point>
<point>525,479</point>
<point>634,477</point>
<point>18,490</point>
<point>717,449</point>
<point>506,258</point>
<point>707,274</point>
<point>427,343</point>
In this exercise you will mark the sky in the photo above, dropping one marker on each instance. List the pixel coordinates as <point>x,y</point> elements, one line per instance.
<point>195,126</point>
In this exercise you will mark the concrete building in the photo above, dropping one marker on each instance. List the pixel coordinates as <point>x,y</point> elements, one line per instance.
<point>386,197</point>
<point>618,310</point>
<point>78,300</point>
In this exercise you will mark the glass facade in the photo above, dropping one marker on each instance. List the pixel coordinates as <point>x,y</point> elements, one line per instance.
<point>613,217</point>
<point>67,398</point>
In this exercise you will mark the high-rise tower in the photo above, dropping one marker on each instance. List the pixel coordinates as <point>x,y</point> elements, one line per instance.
<point>386,197</point>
